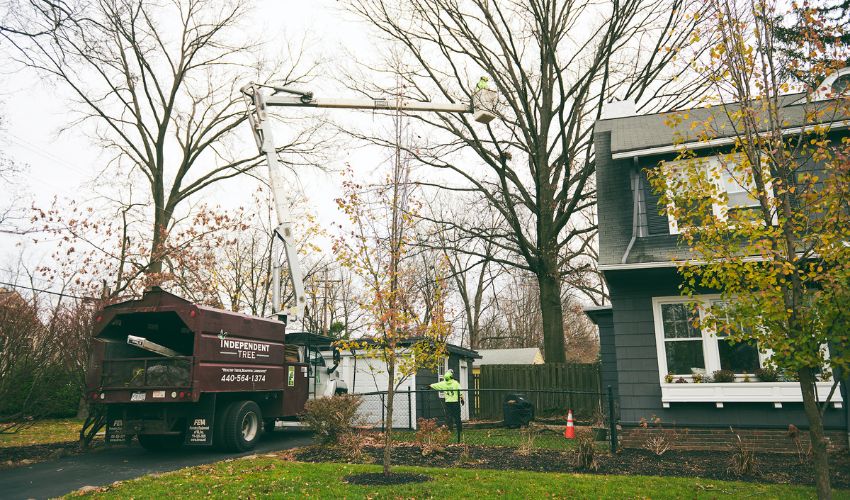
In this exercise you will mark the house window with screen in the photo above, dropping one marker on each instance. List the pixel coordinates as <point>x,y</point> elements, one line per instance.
<point>726,177</point>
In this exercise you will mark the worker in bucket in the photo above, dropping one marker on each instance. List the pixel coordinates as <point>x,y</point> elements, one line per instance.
<point>451,389</point>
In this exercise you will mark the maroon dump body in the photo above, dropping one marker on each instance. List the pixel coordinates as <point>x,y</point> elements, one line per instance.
<point>215,358</point>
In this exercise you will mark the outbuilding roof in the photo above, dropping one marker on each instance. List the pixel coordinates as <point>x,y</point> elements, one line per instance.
<point>518,356</point>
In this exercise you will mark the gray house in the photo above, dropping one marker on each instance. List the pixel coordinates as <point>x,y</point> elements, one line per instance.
<point>638,250</point>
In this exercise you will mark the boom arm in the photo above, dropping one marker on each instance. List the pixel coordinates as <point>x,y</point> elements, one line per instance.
<point>258,103</point>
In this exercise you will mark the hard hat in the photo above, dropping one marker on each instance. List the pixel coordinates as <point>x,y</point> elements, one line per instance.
<point>448,376</point>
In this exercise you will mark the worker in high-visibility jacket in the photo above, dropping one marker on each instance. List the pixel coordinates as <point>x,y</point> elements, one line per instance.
<point>453,399</point>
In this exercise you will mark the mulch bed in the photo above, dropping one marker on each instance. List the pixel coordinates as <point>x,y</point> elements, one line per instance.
<point>772,467</point>
<point>20,456</point>
<point>379,479</point>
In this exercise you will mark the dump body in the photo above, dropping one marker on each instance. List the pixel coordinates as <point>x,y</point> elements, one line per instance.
<point>162,363</point>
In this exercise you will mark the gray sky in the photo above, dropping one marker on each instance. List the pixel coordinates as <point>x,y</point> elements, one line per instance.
<point>65,165</point>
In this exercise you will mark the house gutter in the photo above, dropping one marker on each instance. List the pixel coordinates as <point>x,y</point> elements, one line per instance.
<point>722,141</point>
<point>635,208</point>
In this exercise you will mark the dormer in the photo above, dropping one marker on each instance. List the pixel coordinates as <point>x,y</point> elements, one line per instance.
<point>835,85</point>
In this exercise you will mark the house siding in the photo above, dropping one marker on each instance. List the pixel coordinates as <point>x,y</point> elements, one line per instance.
<point>637,365</point>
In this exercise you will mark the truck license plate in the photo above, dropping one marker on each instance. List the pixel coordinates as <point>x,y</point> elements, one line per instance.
<point>137,396</point>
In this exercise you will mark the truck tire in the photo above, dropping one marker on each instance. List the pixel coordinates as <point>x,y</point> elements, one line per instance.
<point>161,442</point>
<point>242,426</point>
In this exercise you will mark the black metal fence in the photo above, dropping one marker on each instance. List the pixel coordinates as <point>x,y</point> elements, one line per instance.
<point>550,406</point>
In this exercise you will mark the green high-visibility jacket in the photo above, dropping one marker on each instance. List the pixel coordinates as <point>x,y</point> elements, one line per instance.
<point>451,387</point>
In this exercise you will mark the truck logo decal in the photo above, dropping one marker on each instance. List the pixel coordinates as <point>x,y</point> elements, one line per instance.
<point>243,374</point>
<point>244,349</point>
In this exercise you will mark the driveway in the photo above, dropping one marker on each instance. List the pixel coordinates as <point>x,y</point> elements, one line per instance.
<point>62,476</point>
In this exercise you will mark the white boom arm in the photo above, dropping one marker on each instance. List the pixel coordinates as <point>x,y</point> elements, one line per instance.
<point>258,117</point>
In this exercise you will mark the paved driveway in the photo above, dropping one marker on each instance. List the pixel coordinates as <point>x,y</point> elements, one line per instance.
<point>58,477</point>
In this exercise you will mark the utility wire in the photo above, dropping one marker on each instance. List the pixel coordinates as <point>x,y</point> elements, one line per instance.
<point>48,291</point>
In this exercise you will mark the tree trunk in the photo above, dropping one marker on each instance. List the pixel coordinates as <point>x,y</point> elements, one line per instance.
<point>819,451</point>
<point>553,318</point>
<point>162,217</point>
<point>388,421</point>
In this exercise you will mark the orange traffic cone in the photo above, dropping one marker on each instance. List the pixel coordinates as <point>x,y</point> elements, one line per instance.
<point>570,429</point>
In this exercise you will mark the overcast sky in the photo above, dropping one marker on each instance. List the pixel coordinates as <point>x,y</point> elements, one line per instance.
<point>65,164</point>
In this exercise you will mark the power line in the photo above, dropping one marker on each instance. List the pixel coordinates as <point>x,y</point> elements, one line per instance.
<point>60,294</point>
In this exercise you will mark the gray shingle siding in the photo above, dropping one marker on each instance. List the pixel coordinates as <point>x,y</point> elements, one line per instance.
<point>614,200</point>
<point>637,367</point>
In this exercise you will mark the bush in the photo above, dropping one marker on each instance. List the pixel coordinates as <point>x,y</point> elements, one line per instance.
<point>724,376</point>
<point>333,417</point>
<point>352,446</point>
<point>585,452</point>
<point>44,392</point>
<point>743,460</point>
<point>767,374</point>
<point>432,438</point>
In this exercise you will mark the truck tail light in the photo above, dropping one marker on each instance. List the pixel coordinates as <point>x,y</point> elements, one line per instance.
<point>93,395</point>
<point>182,394</point>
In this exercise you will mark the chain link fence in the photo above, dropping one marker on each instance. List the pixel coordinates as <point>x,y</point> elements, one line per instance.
<point>493,406</point>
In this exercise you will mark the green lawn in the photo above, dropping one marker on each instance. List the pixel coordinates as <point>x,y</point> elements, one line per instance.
<point>269,477</point>
<point>505,437</point>
<point>44,431</point>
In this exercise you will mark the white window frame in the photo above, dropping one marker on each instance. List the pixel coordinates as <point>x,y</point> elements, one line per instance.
<point>715,167</point>
<point>721,392</point>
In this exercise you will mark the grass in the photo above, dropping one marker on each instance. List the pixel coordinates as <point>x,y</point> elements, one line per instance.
<point>269,477</point>
<point>504,437</point>
<point>44,431</point>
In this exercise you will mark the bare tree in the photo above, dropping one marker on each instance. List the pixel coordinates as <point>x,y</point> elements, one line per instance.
<point>158,82</point>
<point>554,64</point>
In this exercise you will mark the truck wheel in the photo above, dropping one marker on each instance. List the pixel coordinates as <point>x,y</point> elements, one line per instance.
<point>243,425</point>
<point>161,442</point>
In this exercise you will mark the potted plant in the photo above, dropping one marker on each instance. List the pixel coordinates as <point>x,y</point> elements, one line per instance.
<point>724,376</point>
<point>598,428</point>
<point>767,374</point>
<point>668,379</point>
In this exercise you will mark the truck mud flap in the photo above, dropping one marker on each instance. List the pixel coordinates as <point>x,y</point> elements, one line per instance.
<point>115,430</point>
<point>200,422</point>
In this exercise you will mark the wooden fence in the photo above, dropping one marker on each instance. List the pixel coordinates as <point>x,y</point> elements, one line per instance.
<point>552,388</point>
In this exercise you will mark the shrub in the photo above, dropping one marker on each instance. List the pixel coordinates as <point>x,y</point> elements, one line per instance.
<point>767,374</point>
<point>351,445</point>
<point>585,452</point>
<point>724,376</point>
<point>331,418</point>
<point>432,438</point>
<point>743,460</point>
<point>657,441</point>
<point>527,437</point>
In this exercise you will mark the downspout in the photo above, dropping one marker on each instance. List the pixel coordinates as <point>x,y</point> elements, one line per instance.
<point>635,182</point>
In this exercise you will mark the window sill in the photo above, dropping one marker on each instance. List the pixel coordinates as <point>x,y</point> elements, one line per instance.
<point>742,392</point>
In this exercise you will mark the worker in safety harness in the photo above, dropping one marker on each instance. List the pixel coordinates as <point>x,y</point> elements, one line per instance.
<point>453,399</point>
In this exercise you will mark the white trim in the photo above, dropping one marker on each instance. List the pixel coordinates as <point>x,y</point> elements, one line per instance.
<point>722,141</point>
<point>640,265</point>
<point>744,392</point>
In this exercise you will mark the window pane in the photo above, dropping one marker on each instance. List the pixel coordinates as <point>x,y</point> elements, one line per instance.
<point>740,357</point>
<point>678,322</point>
<point>684,355</point>
<point>738,194</point>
